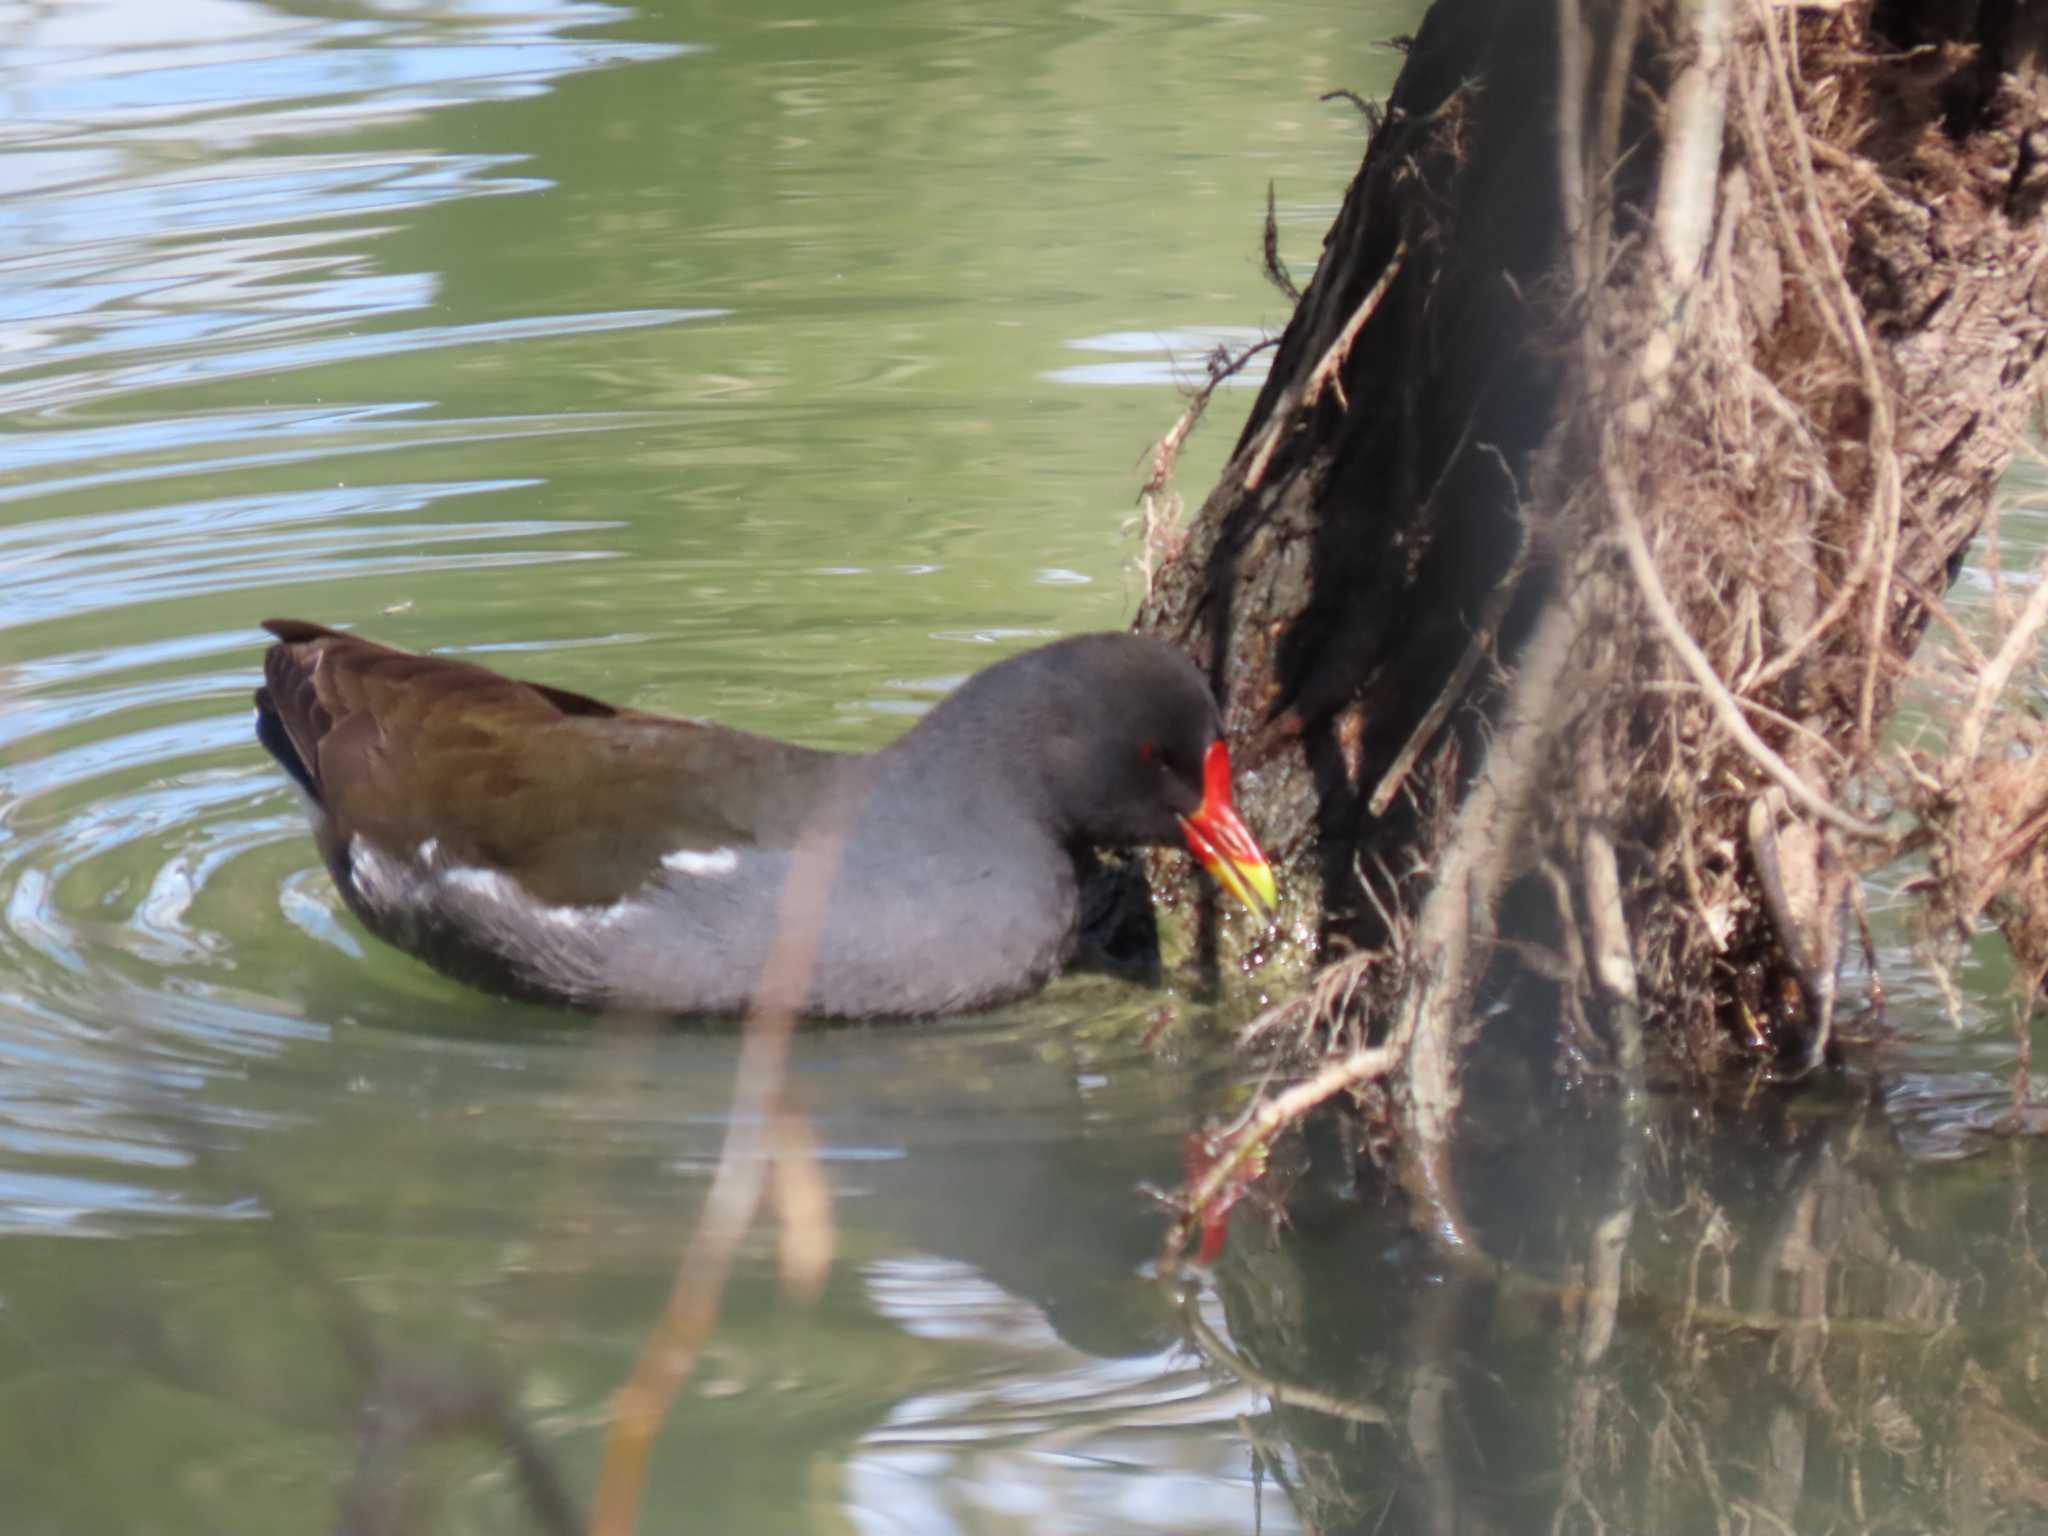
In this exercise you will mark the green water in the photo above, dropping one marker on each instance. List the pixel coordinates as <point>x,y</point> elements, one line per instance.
<point>773,364</point>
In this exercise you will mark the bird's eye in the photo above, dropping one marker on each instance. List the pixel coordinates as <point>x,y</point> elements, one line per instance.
<point>1148,752</point>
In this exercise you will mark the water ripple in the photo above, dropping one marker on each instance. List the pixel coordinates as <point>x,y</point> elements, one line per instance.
<point>155,449</point>
<point>187,204</point>
<point>164,371</point>
<point>237,542</point>
<point>223,72</point>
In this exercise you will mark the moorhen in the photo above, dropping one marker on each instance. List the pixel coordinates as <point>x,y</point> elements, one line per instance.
<point>539,843</point>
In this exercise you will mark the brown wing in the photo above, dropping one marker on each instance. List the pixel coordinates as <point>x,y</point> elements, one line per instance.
<point>575,799</point>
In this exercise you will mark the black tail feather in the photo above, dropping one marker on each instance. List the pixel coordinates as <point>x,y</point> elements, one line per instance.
<point>278,743</point>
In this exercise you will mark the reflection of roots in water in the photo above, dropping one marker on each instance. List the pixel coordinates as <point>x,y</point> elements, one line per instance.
<point>1838,1355</point>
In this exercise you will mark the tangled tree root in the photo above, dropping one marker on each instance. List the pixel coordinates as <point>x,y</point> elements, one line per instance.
<point>1604,674</point>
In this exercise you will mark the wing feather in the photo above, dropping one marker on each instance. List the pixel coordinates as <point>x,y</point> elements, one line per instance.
<point>576,799</point>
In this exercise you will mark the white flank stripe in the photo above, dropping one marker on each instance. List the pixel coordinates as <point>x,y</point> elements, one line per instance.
<point>484,882</point>
<point>695,861</point>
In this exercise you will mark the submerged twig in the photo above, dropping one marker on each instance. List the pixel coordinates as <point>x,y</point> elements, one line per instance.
<point>1267,1117</point>
<point>1281,1394</point>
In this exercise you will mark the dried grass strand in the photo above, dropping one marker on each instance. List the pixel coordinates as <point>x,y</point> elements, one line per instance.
<point>1726,710</point>
<point>758,1136</point>
<point>1881,439</point>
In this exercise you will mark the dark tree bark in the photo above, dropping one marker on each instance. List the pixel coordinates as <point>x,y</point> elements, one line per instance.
<point>1688,341</point>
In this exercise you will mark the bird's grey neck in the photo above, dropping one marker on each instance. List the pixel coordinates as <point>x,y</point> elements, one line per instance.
<point>986,779</point>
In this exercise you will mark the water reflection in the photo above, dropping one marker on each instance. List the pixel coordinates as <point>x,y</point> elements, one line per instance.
<point>1177,358</point>
<point>1794,1328</point>
<point>224,72</point>
<point>991,1224</point>
<point>1075,1445</point>
<point>116,247</point>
